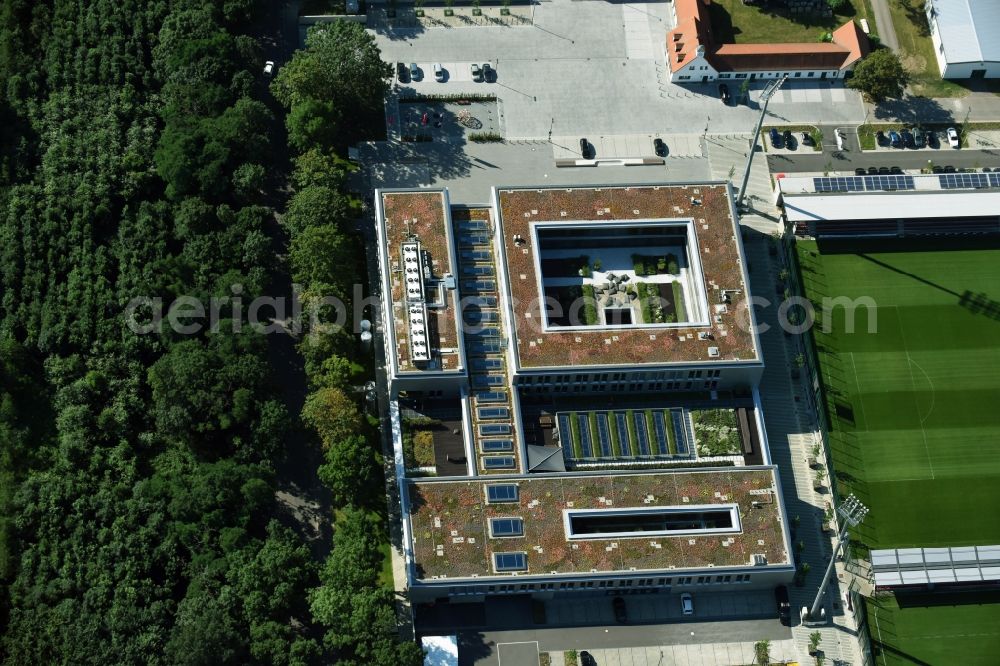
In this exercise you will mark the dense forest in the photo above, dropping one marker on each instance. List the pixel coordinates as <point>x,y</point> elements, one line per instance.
<point>138,519</point>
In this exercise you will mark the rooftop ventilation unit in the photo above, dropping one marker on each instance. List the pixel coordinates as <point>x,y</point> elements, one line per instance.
<point>758,559</point>
<point>416,306</point>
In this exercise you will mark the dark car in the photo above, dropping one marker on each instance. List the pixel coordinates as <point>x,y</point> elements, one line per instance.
<point>907,137</point>
<point>860,171</point>
<point>584,148</point>
<point>872,171</point>
<point>621,615</point>
<point>724,93</point>
<point>919,137</point>
<point>788,139</point>
<point>881,139</point>
<point>402,72</point>
<point>883,171</point>
<point>659,147</point>
<point>807,139</point>
<point>489,74</point>
<point>937,169</point>
<point>949,169</point>
<point>775,137</point>
<point>895,140</point>
<point>931,138</point>
<point>895,171</point>
<point>587,659</point>
<point>784,607</point>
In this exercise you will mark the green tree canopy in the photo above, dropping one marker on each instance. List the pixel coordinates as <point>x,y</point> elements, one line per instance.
<point>879,76</point>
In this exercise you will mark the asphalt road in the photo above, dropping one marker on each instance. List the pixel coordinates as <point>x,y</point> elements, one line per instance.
<point>482,646</point>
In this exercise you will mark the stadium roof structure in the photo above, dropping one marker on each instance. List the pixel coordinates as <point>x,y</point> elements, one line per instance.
<point>927,566</point>
<point>705,209</point>
<point>807,199</point>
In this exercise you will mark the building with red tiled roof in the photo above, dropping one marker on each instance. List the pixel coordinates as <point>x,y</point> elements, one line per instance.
<point>694,57</point>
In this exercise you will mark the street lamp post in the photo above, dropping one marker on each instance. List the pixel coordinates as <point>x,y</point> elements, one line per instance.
<point>853,512</point>
<point>765,97</point>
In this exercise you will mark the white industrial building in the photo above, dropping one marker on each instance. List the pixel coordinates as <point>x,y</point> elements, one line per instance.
<point>965,37</point>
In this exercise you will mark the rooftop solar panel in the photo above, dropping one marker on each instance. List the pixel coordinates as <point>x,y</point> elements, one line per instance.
<point>964,181</point>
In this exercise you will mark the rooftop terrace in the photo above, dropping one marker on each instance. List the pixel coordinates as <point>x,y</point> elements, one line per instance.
<point>450,523</point>
<point>706,207</point>
<point>423,217</point>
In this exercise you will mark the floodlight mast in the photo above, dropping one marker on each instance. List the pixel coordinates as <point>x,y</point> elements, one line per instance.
<point>765,97</point>
<point>853,512</point>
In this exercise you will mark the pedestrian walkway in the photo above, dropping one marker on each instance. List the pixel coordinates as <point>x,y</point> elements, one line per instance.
<point>791,431</point>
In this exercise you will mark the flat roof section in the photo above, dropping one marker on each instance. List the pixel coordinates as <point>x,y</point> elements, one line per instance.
<point>706,206</point>
<point>424,317</point>
<point>926,566</point>
<point>450,523</point>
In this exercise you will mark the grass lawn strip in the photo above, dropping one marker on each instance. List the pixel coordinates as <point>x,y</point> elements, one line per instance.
<point>679,308</point>
<point>595,437</point>
<point>616,446</point>
<point>733,21</point>
<point>632,435</point>
<point>574,427</point>
<point>654,441</point>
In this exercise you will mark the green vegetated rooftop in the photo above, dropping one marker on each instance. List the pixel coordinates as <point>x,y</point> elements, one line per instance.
<point>914,424</point>
<point>708,207</point>
<point>449,523</point>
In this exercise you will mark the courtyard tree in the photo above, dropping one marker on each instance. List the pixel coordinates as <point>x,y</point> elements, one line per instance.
<point>880,76</point>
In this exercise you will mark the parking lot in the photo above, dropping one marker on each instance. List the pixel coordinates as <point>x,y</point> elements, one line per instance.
<point>594,68</point>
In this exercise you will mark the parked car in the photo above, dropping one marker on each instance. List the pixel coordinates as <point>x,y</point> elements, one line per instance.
<point>881,139</point>
<point>659,147</point>
<point>895,140</point>
<point>953,138</point>
<point>489,74</point>
<point>895,170</point>
<point>438,72</point>
<point>859,171</point>
<point>584,148</point>
<point>269,68</point>
<point>784,607</point>
<point>477,72</point>
<point>918,137</point>
<point>775,137</point>
<point>807,139</point>
<point>883,171</point>
<point>621,613</point>
<point>687,604</point>
<point>907,138</point>
<point>724,93</point>
<point>949,169</point>
<point>415,73</point>
<point>932,140</point>
<point>788,139</point>
<point>937,169</point>
<point>872,171</point>
<point>587,659</point>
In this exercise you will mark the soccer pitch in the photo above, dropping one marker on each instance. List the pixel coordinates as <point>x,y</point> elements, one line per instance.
<point>914,415</point>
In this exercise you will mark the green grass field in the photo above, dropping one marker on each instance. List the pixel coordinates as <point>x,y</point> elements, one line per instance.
<point>915,418</point>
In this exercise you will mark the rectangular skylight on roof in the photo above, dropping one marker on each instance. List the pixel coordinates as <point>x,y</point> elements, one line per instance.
<point>510,561</point>
<point>502,493</point>
<point>496,445</point>
<point>498,462</point>
<point>506,527</point>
